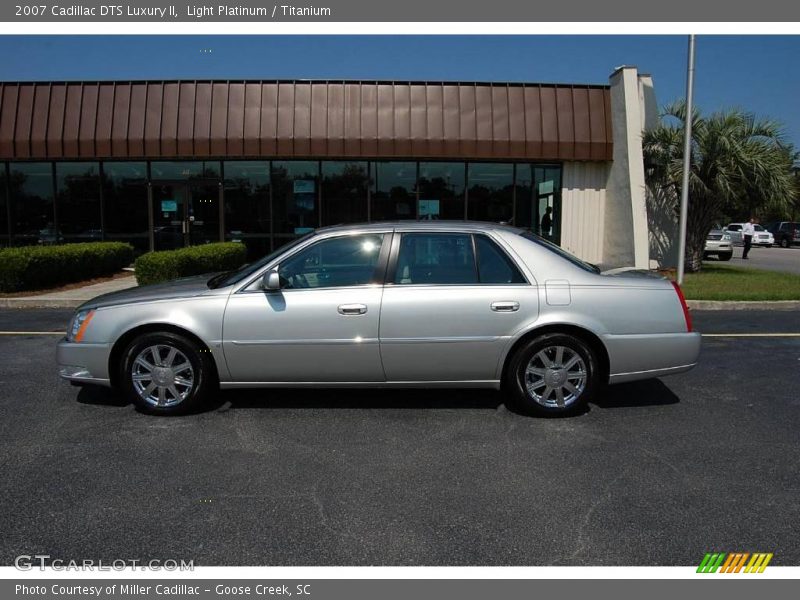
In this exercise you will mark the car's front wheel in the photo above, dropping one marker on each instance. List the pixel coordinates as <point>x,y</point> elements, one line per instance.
<point>554,374</point>
<point>785,243</point>
<point>165,373</point>
<point>725,256</point>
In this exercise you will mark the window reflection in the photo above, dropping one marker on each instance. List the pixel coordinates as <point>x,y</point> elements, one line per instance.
<point>295,209</point>
<point>78,201</point>
<point>31,190</point>
<point>491,192</point>
<point>247,217</point>
<point>394,193</point>
<point>344,192</point>
<point>125,199</point>
<point>184,169</point>
<point>3,208</point>
<point>441,191</point>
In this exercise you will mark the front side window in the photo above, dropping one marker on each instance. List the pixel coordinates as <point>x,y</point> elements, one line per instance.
<point>436,258</point>
<point>335,262</point>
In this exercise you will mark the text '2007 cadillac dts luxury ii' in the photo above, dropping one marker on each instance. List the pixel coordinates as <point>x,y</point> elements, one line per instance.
<point>405,304</point>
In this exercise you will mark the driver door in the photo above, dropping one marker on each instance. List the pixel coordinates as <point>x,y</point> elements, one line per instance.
<point>322,325</point>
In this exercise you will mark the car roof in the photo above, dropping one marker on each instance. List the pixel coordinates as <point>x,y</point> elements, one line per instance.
<point>451,225</point>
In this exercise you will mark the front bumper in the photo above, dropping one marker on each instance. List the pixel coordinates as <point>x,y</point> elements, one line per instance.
<point>713,247</point>
<point>644,356</point>
<point>83,363</point>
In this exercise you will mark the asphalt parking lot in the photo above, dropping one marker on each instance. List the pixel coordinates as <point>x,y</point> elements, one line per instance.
<point>786,260</point>
<point>655,473</point>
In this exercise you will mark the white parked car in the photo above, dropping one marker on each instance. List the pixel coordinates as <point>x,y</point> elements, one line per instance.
<point>718,243</point>
<point>762,237</point>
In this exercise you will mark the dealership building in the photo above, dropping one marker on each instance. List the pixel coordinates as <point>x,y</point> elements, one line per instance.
<point>164,164</point>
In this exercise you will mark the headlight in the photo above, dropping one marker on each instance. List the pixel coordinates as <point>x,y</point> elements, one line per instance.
<point>727,237</point>
<point>77,327</point>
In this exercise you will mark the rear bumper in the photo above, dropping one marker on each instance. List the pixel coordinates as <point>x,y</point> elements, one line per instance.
<point>83,363</point>
<point>634,357</point>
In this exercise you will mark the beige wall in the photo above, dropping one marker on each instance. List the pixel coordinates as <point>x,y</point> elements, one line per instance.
<point>583,206</point>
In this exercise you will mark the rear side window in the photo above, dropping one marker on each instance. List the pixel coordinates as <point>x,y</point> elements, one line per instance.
<point>436,258</point>
<point>494,266</point>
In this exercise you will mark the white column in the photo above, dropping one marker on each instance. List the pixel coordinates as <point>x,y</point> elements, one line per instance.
<point>626,231</point>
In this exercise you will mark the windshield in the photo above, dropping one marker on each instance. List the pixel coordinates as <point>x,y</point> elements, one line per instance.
<point>243,272</point>
<point>560,251</point>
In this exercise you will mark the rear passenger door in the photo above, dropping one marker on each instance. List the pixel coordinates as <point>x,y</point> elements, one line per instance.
<point>450,304</point>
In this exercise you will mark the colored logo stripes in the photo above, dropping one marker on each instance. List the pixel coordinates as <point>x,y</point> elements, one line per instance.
<point>734,562</point>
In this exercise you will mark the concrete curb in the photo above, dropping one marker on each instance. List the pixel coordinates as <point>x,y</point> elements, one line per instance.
<point>736,305</point>
<point>34,302</point>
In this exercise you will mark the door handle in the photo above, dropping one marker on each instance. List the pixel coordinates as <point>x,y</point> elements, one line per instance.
<point>505,306</point>
<point>352,309</point>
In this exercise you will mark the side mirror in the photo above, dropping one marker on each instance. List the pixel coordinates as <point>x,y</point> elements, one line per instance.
<point>271,281</point>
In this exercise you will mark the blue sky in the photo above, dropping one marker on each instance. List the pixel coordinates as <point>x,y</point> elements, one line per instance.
<point>758,73</point>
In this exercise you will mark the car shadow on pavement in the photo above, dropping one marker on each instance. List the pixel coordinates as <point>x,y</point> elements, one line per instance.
<point>652,392</point>
<point>637,394</point>
<point>357,398</point>
<point>96,395</point>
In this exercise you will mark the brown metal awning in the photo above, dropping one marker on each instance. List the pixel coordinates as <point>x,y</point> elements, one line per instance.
<point>304,119</point>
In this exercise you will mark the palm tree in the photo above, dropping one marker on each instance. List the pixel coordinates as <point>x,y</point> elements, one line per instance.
<point>737,160</point>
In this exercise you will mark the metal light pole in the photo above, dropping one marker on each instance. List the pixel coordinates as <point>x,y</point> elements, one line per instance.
<point>687,161</point>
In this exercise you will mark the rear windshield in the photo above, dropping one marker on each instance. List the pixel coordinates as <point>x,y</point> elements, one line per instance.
<point>528,235</point>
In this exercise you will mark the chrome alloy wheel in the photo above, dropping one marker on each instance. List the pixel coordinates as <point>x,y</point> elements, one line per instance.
<point>162,375</point>
<point>555,376</point>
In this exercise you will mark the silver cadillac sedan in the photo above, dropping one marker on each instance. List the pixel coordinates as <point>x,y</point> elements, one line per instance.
<point>405,304</point>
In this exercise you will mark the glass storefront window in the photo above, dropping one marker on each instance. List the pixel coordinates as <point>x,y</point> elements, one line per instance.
<point>3,207</point>
<point>344,192</point>
<point>295,206</point>
<point>394,193</point>
<point>78,201</point>
<point>491,192</point>
<point>441,190</point>
<point>247,217</point>
<point>539,188</point>
<point>180,170</point>
<point>125,203</point>
<point>31,198</point>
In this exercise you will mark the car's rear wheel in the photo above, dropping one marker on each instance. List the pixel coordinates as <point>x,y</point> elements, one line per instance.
<point>554,374</point>
<point>725,256</point>
<point>165,373</point>
<point>785,243</point>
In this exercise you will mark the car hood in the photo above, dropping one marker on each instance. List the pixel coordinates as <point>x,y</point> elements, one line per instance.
<point>179,288</point>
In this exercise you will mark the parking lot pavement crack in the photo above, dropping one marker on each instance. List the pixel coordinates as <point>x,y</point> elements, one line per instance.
<point>664,461</point>
<point>604,496</point>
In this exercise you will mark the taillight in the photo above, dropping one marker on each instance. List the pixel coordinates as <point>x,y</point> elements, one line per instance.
<point>687,317</point>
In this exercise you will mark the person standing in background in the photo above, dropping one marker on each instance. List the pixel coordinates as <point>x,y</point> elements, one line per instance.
<point>547,222</point>
<point>748,231</point>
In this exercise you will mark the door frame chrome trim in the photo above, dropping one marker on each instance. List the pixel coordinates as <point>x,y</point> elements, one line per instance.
<point>306,342</point>
<point>445,340</point>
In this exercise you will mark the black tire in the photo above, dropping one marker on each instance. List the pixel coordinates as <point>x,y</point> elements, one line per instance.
<point>785,243</point>
<point>519,399</point>
<point>725,256</point>
<point>202,371</point>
